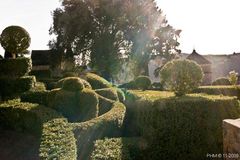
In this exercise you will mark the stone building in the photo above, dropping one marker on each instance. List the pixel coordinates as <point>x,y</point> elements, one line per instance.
<point>205,64</point>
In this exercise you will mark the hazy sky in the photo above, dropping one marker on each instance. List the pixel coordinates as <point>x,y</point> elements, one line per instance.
<point>211,26</point>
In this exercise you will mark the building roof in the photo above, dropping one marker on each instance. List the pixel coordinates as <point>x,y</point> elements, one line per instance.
<point>198,58</point>
<point>41,57</point>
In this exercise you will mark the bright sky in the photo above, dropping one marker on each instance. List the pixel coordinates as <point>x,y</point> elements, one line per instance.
<point>209,26</point>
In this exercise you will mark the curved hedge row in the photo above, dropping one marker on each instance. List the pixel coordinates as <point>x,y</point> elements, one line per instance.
<point>57,139</point>
<point>106,125</point>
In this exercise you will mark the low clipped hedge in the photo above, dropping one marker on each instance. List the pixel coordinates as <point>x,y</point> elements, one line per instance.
<point>72,84</point>
<point>96,81</point>
<point>118,149</point>
<point>39,97</point>
<point>106,125</point>
<point>221,81</point>
<point>219,90</point>
<point>15,67</point>
<point>56,138</point>
<point>110,93</point>
<point>14,87</point>
<point>182,128</point>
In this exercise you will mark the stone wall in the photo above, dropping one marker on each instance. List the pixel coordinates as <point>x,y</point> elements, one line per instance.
<point>231,139</point>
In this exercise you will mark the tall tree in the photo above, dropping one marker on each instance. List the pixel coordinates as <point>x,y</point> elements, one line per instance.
<point>104,32</point>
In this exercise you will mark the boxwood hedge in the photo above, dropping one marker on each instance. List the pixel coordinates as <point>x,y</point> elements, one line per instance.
<point>106,125</point>
<point>217,90</point>
<point>182,128</point>
<point>56,137</point>
<point>96,81</point>
<point>110,93</point>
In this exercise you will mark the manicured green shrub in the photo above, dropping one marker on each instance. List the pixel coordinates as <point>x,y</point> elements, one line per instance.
<point>57,139</point>
<point>110,93</point>
<point>121,95</point>
<point>233,77</point>
<point>72,84</point>
<point>219,90</point>
<point>59,83</point>
<point>182,127</point>
<point>109,149</point>
<point>118,149</point>
<point>143,82</point>
<point>107,125</point>
<point>14,68</point>
<point>96,81</point>
<point>88,105</point>
<point>70,74</point>
<point>39,86</point>
<point>39,97</point>
<point>105,105</point>
<point>221,81</point>
<point>129,85</point>
<point>10,88</point>
<point>181,76</point>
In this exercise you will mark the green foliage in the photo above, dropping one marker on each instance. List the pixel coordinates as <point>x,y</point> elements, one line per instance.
<point>110,93</point>
<point>88,104</point>
<point>70,74</point>
<point>96,81</point>
<point>143,82</point>
<point>219,90</point>
<point>59,83</point>
<point>39,97</point>
<point>39,86</point>
<point>182,127</point>
<point>221,81</point>
<point>107,125</point>
<point>15,39</point>
<point>109,149</point>
<point>233,77</point>
<point>72,84</point>
<point>129,85</point>
<point>181,76</point>
<point>117,149</point>
<point>14,87</point>
<point>14,68</point>
<point>121,95</point>
<point>57,139</point>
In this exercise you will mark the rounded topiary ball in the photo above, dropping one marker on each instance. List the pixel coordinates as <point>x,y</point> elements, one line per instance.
<point>181,76</point>
<point>88,104</point>
<point>72,84</point>
<point>143,82</point>
<point>110,93</point>
<point>15,39</point>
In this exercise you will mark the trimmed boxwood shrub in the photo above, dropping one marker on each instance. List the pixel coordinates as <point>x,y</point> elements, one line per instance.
<point>183,128</point>
<point>57,139</point>
<point>39,97</point>
<point>181,76</point>
<point>76,106</point>
<point>219,90</point>
<point>121,95</point>
<point>143,82</point>
<point>110,93</point>
<point>10,88</point>
<point>106,125</point>
<point>14,68</point>
<point>96,81</point>
<point>59,83</point>
<point>72,84</point>
<point>129,85</point>
<point>221,81</point>
<point>109,149</point>
<point>88,104</point>
<point>118,148</point>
